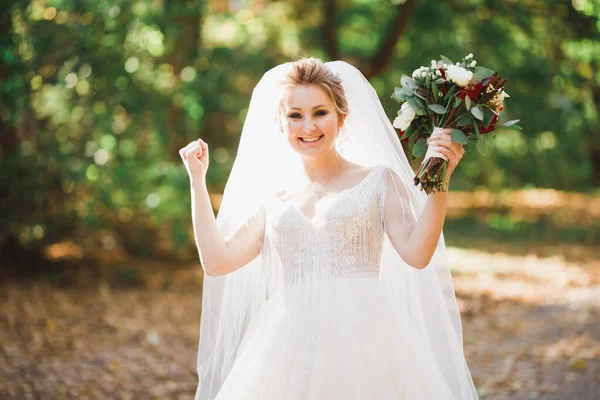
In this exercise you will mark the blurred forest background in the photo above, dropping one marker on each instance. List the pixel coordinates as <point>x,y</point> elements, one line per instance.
<point>101,282</point>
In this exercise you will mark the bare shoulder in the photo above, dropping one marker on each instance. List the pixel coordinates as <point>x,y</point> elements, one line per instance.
<point>357,170</point>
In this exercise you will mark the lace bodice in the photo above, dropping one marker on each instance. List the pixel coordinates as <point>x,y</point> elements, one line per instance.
<point>343,238</point>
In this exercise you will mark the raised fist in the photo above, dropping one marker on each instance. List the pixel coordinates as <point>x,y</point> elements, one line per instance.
<point>195,158</point>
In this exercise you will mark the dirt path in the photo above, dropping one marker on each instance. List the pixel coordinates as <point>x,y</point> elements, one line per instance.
<point>531,324</point>
<point>531,331</point>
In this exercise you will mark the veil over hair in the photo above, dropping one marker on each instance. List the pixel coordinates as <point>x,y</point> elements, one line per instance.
<point>265,161</point>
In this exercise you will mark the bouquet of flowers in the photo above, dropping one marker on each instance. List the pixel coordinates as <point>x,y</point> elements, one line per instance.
<point>461,96</point>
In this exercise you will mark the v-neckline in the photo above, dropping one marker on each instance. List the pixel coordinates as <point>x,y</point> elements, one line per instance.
<point>332,195</point>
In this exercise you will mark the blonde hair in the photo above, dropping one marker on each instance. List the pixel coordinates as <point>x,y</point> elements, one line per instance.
<point>312,71</point>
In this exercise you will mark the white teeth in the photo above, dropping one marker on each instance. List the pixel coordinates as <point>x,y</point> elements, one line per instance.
<point>311,139</point>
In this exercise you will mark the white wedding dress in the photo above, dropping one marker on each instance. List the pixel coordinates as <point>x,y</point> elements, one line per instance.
<point>332,332</point>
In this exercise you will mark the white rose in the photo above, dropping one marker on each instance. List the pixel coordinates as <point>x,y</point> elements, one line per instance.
<point>405,117</point>
<point>459,75</point>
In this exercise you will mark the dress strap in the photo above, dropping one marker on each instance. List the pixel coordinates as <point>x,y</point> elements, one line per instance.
<point>392,180</point>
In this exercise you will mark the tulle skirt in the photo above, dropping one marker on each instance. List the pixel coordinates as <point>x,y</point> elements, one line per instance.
<point>339,339</point>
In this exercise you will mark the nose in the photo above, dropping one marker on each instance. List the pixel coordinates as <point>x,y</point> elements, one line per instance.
<point>309,125</point>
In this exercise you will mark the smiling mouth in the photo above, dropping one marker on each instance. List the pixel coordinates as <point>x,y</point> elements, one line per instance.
<point>311,140</point>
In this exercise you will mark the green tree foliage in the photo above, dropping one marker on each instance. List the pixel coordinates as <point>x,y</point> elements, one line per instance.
<point>97,97</point>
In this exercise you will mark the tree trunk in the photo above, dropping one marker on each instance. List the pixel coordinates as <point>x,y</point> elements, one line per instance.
<point>183,38</point>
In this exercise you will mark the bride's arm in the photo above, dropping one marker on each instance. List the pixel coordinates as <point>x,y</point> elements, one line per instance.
<point>220,255</point>
<point>414,240</point>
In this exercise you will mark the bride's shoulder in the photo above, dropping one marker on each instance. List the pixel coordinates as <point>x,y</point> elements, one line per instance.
<point>386,176</point>
<point>380,170</point>
<point>362,173</point>
<point>363,170</point>
<point>389,171</point>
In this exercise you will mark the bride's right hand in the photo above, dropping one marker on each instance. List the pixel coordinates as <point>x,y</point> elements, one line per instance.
<point>195,158</point>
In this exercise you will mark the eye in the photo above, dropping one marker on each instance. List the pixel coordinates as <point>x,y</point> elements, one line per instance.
<point>320,113</point>
<point>295,116</point>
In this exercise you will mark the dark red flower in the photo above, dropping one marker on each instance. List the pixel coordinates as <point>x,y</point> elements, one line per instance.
<point>490,128</point>
<point>473,93</point>
<point>443,73</point>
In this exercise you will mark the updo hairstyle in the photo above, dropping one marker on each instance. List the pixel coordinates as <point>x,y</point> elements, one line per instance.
<point>312,71</point>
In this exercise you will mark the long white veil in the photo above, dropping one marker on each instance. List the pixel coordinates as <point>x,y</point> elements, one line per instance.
<point>264,161</point>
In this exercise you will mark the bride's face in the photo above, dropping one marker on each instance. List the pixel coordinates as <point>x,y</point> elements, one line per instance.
<point>309,120</point>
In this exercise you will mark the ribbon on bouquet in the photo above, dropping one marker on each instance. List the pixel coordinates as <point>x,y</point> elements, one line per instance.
<point>430,151</point>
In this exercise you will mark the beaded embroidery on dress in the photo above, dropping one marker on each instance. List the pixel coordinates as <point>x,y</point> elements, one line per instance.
<point>330,329</point>
<point>343,238</point>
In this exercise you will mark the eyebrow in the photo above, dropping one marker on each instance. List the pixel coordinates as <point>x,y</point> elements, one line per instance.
<point>319,106</point>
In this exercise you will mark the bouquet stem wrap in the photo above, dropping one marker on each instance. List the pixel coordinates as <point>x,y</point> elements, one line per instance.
<point>432,172</point>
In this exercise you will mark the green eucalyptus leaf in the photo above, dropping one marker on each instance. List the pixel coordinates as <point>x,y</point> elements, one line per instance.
<point>408,131</point>
<point>482,147</point>
<point>420,147</point>
<point>458,136</point>
<point>465,120</point>
<point>477,113</point>
<point>468,102</point>
<point>426,127</point>
<point>413,103</point>
<point>475,127</point>
<point>413,138</point>
<point>407,91</point>
<point>406,81</point>
<point>457,102</point>
<point>446,60</point>
<point>487,118</point>
<point>438,109</point>
<point>450,92</point>
<point>482,73</point>
<point>399,94</point>
<point>511,122</point>
<point>514,128</point>
<point>422,103</point>
<point>435,91</point>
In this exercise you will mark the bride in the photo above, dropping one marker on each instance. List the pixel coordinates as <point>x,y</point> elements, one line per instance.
<point>326,274</point>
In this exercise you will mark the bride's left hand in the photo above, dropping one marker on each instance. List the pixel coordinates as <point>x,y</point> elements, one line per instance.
<point>453,151</point>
